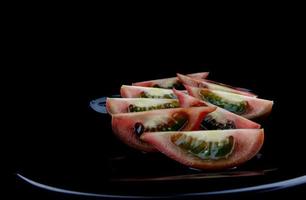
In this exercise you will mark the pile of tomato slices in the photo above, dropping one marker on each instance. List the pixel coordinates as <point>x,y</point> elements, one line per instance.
<point>195,121</point>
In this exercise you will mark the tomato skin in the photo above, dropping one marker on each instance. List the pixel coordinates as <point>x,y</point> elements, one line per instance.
<point>123,124</point>
<point>190,101</point>
<point>124,130</point>
<point>248,142</point>
<point>187,100</point>
<point>202,83</point>
<point>113,106</point>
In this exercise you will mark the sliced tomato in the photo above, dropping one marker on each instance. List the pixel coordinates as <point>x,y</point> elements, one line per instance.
<point>145,92</point>
<point>169,83</point>
<point>210,150</point>
<point>219,119</point>
<point>245,106</point>
<point>199,75</point>
<point>129,126</point>
<point>126,105</point>
<point>202,83</point>
<point>187,101</point>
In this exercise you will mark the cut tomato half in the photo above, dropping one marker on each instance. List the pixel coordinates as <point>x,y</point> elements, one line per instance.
<point>169,83</point>
<point>219,119</point>
<point>130,126</point>
<point>127,105</point>
<point>210,150</point>
<point>245,106</point>
<point>127,91</point>
<point>202,83</point>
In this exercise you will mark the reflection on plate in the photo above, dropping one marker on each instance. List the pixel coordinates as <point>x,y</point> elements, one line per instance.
<point>198,176</point>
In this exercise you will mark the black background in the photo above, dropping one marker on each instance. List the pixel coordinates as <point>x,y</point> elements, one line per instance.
<point>58,68</point>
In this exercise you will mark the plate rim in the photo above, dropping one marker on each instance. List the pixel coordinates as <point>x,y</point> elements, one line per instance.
<point>268,187</point>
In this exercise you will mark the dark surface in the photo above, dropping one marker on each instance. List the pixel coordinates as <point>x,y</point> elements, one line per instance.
<point>64,143</point>
<point>60,141</point>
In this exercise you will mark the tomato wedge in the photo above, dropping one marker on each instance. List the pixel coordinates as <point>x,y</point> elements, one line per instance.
<point>219,119</point>
<point>202,83</point>
<point>209,150</point>
<point>127,91</point>
<point>245,106</point>
<point>126,105</point>
<point>130,126</point>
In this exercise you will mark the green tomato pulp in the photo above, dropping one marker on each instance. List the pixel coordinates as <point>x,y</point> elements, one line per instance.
<point>175,123</point>
<point>134,108</point>
<point>205,150</point>
<point>237,108</point>
<point>209,123</point>
<point>165,96</point>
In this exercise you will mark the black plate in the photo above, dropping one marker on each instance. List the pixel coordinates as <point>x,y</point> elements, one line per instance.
<point>69,148</point>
